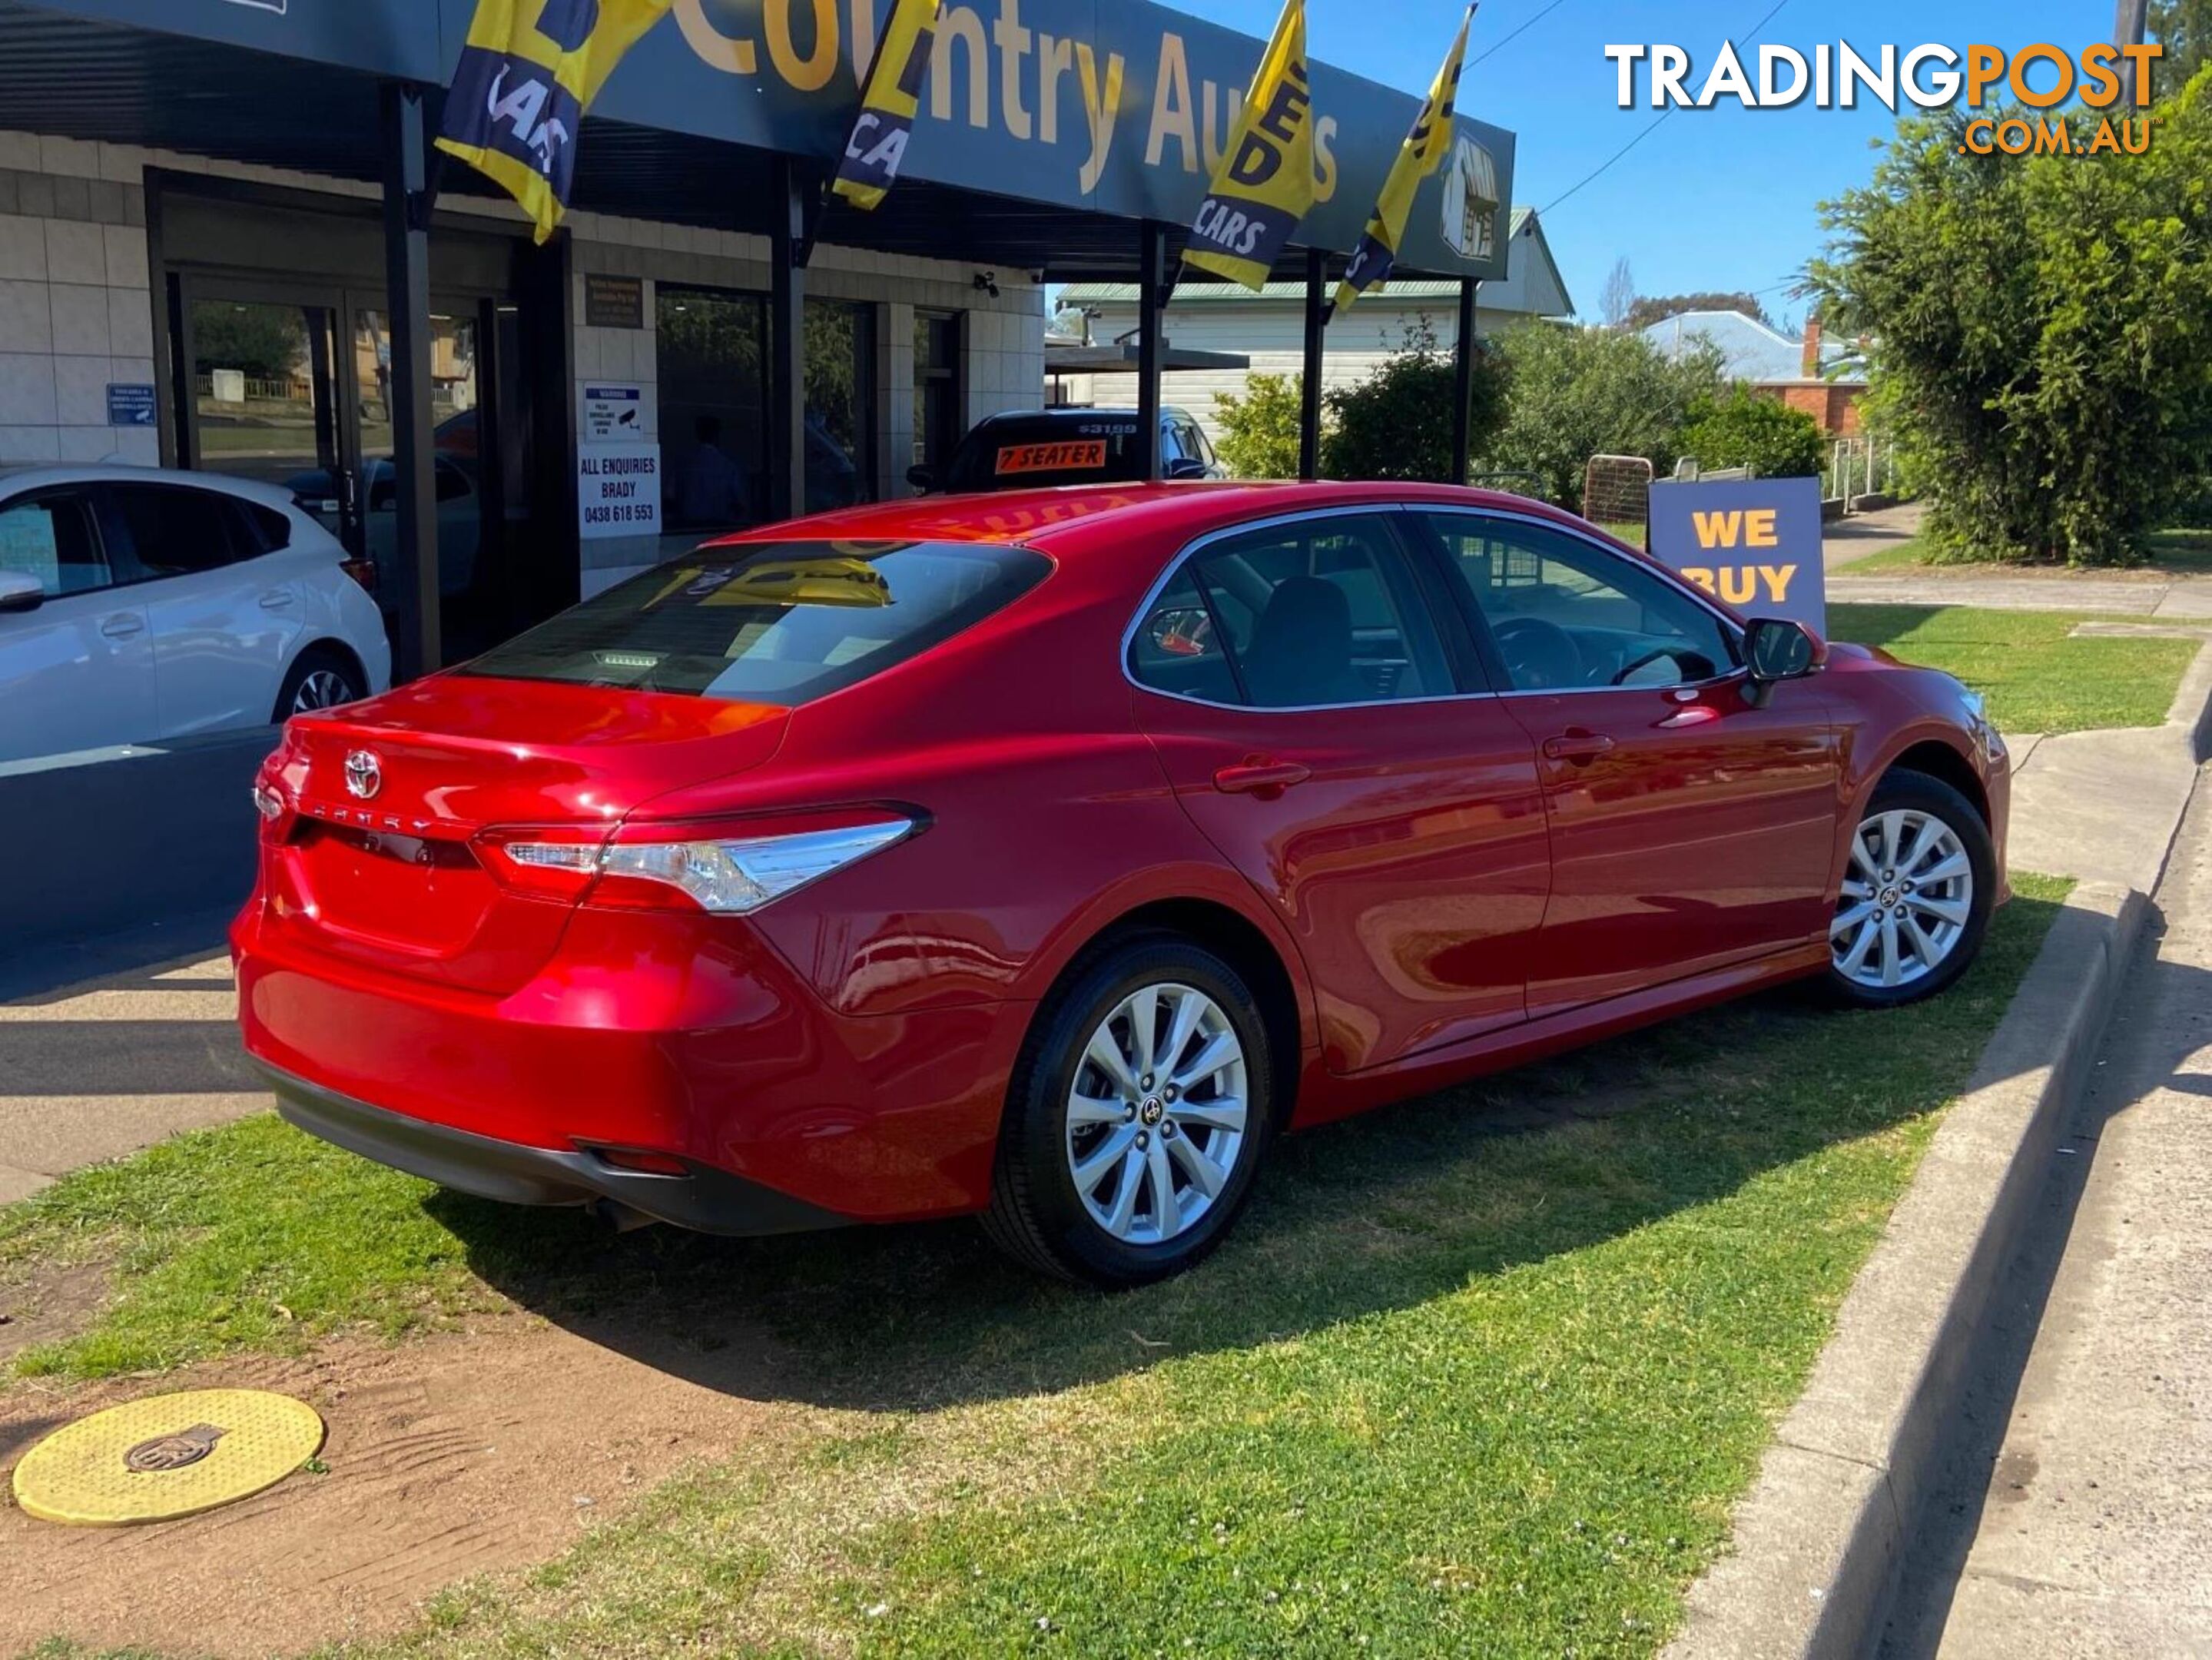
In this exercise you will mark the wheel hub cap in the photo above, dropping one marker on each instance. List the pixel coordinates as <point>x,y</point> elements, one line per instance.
<point>1907,898</point>
<point>1149,1162</point>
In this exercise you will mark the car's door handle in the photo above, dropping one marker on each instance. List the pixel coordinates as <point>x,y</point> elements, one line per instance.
<point>1580,747</point>
<point>278,599</point>
<point>1261,778</point>
<point>123,626</point>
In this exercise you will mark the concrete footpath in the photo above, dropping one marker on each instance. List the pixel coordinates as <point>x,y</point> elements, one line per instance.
<point>2073,1516</point>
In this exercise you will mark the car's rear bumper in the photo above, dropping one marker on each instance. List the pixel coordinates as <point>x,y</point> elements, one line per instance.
<point>707,1199</point>
<point>683,1038</point>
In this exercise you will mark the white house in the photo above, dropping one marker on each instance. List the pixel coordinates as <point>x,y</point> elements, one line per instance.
<point>1269,327</point>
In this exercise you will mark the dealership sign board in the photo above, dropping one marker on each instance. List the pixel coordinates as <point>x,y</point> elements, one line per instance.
<point>1754,544</point>
<point>1116,107</point>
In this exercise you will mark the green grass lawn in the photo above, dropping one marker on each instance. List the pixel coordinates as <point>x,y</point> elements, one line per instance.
<point>1481,1374</point>
<point>2175,552</point>
<point>2037,678</point>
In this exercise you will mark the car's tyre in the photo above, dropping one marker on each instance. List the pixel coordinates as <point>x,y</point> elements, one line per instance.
<point>1136,1117</point>
<point>320,679</point>
<point>1916,896</point>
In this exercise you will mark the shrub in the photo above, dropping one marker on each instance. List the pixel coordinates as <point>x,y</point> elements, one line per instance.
<point>1740,429</point>
<point>1259,430</point>
<point>1579,393</point>
<point>1397,423</point>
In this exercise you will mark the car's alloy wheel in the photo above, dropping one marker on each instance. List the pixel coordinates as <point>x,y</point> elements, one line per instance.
<point>1156,1116</point>
<point>1136,1117</point>
<point>322,688</point>
<point>1907,899</point>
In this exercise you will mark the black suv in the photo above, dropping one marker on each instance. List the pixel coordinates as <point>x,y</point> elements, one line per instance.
<point>1033,447</point>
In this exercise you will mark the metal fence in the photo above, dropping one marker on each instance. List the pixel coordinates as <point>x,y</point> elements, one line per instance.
<point>1860,467</point>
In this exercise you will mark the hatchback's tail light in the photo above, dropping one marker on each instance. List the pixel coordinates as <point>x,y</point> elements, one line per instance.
<point>362,571</point>
<point>656,866</point>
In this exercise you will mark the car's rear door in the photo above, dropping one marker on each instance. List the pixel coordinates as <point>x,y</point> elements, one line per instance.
<point>225,618</point>
<point>1321,731</point>
<point>77,671</point>
<point>1691,827</point>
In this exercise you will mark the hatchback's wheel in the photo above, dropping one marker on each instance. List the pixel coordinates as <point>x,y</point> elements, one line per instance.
<point>1136,1117</point>
<point>1916,894</point>
<point>321,679</point>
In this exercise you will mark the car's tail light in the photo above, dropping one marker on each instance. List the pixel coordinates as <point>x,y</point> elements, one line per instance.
<point>657,866</point>
<point>362,571</point>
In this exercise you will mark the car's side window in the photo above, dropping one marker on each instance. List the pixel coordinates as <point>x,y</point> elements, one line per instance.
<point>166,530</point>
<point>50,536</point>
<point>1318,613</point>
<point>1568,614</point>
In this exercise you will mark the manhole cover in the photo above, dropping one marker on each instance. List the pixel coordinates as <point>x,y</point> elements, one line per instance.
<point>166,1456</point>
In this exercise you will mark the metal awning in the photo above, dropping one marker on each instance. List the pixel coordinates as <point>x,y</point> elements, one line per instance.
<point>1122,359</point>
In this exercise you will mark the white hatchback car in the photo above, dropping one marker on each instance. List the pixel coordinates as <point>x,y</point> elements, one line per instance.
<point>138,605</point>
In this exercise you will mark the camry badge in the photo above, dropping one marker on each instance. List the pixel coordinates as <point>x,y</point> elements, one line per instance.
<point>364,775</point>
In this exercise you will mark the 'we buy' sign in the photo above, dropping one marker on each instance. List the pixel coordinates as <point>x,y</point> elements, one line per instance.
<point>1753,545</point>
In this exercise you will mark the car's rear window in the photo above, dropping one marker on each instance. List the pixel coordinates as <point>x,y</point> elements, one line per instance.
<point>780,622</point>
<point>1026,454</point>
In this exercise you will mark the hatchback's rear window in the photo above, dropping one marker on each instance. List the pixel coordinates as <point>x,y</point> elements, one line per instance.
<point>780,622</point>
<point>1026,454</point>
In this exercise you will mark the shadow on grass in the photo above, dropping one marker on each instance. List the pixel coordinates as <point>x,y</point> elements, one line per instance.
<point>1380,1213</point>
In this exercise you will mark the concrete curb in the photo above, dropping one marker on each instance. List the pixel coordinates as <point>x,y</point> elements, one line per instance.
<point>2192,706</point>
<point>1819,1539</point>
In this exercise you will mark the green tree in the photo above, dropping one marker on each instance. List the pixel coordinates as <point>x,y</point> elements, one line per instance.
<point>1740,429</point>
<point>1580,393</point>
<point>2042,329</point>
<point>1259,430</point>
<point>267,342</point>
<point>2183,28</point>
<point>1397,423</point>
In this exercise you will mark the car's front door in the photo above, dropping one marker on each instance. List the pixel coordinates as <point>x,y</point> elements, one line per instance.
<point>225,619</point>
<point>1692,827</point>
<point>1321,731</point>
<point>77,671</point>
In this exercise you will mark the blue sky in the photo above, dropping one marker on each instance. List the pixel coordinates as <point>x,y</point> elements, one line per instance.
<point>1724,198</point>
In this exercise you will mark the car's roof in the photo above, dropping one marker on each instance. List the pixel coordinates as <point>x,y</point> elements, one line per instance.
<point>41,477</point>
<point>1071,519</point>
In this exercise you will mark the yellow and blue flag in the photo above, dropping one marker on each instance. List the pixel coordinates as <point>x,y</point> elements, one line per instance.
<point>1422,154</point>
<point>1265,184</point>
<point>529,70</point>
<point>888,104</point>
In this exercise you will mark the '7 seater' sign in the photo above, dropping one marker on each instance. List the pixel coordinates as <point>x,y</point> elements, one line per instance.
<point>1754,544</point>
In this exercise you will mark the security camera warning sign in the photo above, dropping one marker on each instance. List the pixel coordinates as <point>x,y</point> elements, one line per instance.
<point>1754,544</point>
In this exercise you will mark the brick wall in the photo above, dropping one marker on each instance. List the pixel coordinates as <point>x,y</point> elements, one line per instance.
<point>1835,407</point>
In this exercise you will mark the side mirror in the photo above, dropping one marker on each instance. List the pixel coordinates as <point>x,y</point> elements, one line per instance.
<point>922,478</point>
<point>21,591</point>
<point>1776,649</point>
<point>1185,467</point>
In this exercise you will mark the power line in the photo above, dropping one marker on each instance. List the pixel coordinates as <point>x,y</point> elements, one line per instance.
<point>1516,35</point>
<point>1605,166</point>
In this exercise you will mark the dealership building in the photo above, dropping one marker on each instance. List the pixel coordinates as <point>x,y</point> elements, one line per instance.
<point>227,243</point>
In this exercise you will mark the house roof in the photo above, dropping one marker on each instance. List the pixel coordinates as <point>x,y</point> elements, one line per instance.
<point>1543,284</point>
<point>1749,350</point>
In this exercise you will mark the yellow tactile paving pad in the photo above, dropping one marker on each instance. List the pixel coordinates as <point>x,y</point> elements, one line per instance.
<point>165,1457</point>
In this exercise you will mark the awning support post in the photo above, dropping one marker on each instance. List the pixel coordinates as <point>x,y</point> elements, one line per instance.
<point>1463,383</point>
<point>416,647</point>
<point>1309,393</point>
<point>791,243</point>
<point>1151,320</point>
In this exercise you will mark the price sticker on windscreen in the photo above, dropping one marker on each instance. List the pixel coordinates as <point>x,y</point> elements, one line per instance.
<point>1078,455</point>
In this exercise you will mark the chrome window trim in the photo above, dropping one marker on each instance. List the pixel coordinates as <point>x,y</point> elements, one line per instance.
<point>1193,550</point>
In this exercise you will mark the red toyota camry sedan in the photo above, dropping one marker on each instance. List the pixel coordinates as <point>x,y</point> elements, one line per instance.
<point>1044,855</point>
